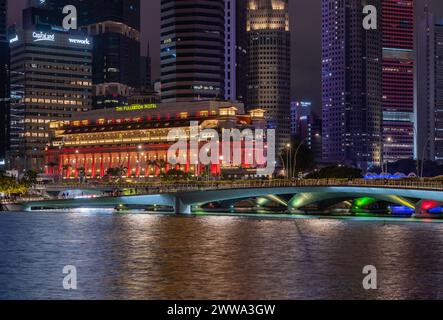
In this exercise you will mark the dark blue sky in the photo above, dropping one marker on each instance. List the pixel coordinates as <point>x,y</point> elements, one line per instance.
<point>305,28</point>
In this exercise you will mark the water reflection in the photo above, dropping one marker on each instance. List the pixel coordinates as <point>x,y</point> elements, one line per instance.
<point>216,257</point>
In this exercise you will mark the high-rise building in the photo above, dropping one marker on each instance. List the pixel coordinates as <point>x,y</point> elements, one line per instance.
<point>269,64</point>
<point>4,83</point>
<point>398,79</point>
<point>306,126</point>
<point>50,80</point>
<point>438,92</point>
<point>230,50</point>
<point>351,85</point>
<point>41,16</point>
<point>300,111</point>
<point>235,50</point>
<point>192,50</point>
<point>145,70</point>
<point>425,111</point>
<point>242,51</point>
<point>115,29</point>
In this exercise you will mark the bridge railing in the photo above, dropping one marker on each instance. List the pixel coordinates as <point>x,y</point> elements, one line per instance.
<point>149,188</point>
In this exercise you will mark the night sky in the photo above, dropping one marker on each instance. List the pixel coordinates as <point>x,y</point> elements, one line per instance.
<point>305,28</point>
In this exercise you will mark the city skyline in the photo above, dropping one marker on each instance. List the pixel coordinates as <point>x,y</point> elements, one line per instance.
<point>303,62</point>
<point>305,23</point>
<point>357,90</point>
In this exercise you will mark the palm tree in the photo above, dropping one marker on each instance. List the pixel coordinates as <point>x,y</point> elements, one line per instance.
<point>81,174</point>
<point>65,168</point>
<point>117,172</point>
<point>158,163</point>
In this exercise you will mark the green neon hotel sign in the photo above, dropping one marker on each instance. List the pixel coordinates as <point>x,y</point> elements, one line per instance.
<point>136,107</point>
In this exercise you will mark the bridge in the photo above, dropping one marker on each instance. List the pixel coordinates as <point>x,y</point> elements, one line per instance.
<point>420,196</point>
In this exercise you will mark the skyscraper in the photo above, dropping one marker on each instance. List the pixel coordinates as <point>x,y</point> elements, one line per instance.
<point>351,85</point>
<point>115,28</point>
<point>4,83</point>
<point>145,71</point>
<point>230,50</point>
<point>269,64</point>
<point>300,112</point>
<point>438,91</point>
<point>398,79</point>
<point>242,51</point>
<point>425,81</point>
<point>50,80</point>
<point>235,50</point>
<point>192,50</point>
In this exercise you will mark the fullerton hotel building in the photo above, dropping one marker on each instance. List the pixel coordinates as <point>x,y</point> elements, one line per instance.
<point>134,138</point>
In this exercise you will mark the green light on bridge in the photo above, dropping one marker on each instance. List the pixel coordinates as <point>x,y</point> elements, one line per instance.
<point>363,202</point>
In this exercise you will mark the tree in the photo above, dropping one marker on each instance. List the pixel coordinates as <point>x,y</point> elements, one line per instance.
<point>175,175</point>
<point>65,169</point>
<point>81,174</point>
<point>158,163</point>
<point>117,172</point>
<point>10,186</point>
<point>30,177</point>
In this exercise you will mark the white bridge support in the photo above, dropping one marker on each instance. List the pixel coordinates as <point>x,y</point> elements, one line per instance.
<point>180,207</point>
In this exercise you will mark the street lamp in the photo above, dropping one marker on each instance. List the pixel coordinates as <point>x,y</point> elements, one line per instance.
<point>296,155</point>
<point>389,140</point>
<point>288,159</point>
<point>283,162</point>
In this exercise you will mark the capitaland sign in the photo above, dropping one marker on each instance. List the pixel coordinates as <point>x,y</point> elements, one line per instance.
<point>135,107</point>
<point>43,36</point>
<point>85,42</point>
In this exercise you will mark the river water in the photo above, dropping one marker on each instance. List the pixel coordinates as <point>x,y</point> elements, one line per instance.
<point>143,256</point>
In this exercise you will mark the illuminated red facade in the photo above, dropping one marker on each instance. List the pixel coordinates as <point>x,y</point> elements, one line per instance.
<point>398,79</point>
<point>137,140</point>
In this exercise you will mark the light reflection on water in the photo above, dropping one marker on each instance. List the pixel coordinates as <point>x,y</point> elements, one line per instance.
<point>135,256</point>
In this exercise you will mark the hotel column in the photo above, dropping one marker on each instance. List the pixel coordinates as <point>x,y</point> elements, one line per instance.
<point>60,165</point>
<point>167,165</point>
<point>129,174</point>
<point>137,173</point>
<point>188,159</point>
<point>85,165</point>
<point>148,166</point>
<point>68,170</point>
<point>157,168</point>
<point>102,169</point>
<point>93,167</point>
<point>76,166</point>
<point>46,165</point>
